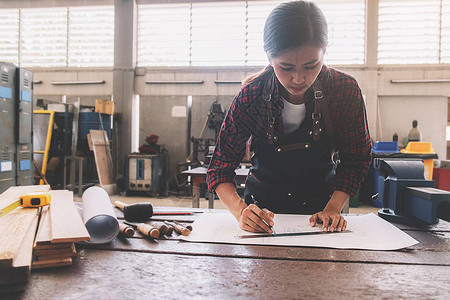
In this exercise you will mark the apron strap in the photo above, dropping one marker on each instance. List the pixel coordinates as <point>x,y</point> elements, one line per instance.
<point>321,110</point>
<point>268,90</point>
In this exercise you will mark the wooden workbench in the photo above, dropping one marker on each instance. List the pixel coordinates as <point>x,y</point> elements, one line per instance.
<point>140,268</point>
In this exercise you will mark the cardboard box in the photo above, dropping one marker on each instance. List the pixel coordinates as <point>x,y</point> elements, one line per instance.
<point>104,107</point>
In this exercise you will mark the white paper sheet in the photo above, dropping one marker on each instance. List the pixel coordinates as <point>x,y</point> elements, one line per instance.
<point>367,232</point>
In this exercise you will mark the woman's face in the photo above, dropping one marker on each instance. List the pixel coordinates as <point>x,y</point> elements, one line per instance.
<point>297,69</point>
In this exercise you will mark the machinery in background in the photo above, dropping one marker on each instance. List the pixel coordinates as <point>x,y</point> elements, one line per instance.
<point>407,196</point>
<point>147,171</point>
<point>204,147</point>
<point>16,112</point>
<point>215,117</point>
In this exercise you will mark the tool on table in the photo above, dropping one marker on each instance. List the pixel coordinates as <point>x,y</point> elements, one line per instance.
<point>172,213</point>
<point>126,230</point>
<point>179,228</point>
<point>138,212</point>
<point>250,236</point>
<point>257,204</point>
<point>163,228</point>
<point>33,199</point>
<point>407,196</point>
<point>184,225</point>
<point>145,229</point>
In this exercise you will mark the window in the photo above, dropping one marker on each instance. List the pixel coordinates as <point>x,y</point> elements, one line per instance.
<point>164,35</point>
<point>445,32</point>
<point>409,31</point>
<point>58,37</point>
<point>230,33</point>
<point>43,37</point>
<point>9,35</point>
<point>91,36</point>
<point>218,34</point>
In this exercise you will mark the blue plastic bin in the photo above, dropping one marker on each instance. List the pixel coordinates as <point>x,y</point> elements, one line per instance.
<point>91,120</point>
<point>386,147</point>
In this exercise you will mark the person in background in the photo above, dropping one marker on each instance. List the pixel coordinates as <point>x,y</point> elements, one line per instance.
<point>302,118</point>
<point>414,134</point>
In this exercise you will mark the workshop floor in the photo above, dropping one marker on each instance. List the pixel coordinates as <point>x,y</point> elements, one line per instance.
<point>174,201</point>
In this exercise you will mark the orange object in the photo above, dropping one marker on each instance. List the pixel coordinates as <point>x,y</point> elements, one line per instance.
<point>422,148</point>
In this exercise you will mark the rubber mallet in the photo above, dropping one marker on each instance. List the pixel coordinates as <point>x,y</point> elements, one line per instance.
<point>138,212</point>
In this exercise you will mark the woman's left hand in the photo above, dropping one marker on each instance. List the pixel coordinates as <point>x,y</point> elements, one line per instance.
<point>331,217</point>
<point>332,221</point>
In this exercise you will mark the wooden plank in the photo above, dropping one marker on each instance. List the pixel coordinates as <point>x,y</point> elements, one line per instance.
<point>244,278</point>
<point>103,159</point>
<point>20,270</point>
<point>43,234</point>
<point>14,227</point>
<point>65,221</point>
<point>111,189</point>
<point>174,247</point>
<point>67,251</point>
<point>105,174</point>
<point>53,257</point>
<point>49,245</point>
<point>58,262</point>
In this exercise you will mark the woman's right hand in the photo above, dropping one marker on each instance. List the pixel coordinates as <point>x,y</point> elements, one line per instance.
<point>254,219</point>
<point>251,218</point>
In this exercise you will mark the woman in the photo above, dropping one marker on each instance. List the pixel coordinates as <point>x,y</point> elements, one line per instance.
<point>302,119</point>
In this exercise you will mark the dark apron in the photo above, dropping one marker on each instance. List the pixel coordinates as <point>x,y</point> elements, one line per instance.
<point>294,174</point>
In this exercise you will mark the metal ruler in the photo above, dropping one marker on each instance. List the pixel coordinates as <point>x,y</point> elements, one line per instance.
<point>250,236</point>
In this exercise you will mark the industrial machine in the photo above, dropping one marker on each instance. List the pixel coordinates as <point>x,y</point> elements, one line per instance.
<point>24,133</point>
<point>146,173</point>
<point>7,122</point>
<point>204,147</point>
<point>407,196</point>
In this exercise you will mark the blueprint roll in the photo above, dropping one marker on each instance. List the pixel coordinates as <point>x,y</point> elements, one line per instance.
<point>98,216</point>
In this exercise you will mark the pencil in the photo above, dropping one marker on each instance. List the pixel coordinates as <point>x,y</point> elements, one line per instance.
<point>257,204</point>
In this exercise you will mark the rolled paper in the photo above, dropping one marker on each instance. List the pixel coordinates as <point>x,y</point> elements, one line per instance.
<point>99,217</point>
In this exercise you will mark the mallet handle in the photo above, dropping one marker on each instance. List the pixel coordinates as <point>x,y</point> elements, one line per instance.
<point>120,204</point>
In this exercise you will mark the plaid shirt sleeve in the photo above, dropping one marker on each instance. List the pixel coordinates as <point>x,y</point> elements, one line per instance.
<point>236,129</point>
<point>352,134</point>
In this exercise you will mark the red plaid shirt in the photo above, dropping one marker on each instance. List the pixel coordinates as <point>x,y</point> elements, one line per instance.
<point>247,118</point>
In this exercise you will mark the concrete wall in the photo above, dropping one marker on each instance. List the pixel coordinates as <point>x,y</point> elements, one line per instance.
<point>392,109</point>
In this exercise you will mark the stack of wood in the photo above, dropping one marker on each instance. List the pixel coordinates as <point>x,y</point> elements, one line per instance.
<point>58,225</point>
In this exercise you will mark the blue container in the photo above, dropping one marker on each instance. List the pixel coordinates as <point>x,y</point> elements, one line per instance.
<point>91,120</point>
<point>386,147</point>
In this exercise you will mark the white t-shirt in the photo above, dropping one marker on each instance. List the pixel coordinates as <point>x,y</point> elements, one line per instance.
<point>293,116</point>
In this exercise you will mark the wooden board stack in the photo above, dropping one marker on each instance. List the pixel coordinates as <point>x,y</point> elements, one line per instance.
<point>58,228</point>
